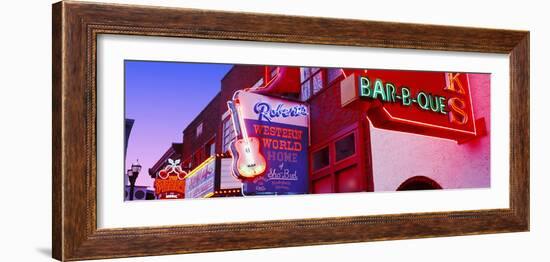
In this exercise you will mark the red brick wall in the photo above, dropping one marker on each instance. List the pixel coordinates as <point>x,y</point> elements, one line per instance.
<point>327,116</point>
<point>209,117</point>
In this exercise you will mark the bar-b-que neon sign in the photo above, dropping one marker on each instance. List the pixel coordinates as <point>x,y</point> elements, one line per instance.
<point>428,103</point>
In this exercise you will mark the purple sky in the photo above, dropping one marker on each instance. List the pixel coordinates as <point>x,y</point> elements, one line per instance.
<point>163,98</point>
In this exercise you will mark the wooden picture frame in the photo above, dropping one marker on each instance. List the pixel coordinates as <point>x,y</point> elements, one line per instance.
<point>76,26</point>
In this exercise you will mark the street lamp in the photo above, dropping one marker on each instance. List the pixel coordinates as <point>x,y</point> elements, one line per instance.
<point>132,176</point>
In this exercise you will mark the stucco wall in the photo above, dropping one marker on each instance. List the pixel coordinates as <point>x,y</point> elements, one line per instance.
<point>398,156</point>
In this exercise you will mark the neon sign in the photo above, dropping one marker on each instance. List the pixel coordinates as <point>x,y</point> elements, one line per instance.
<point>427,103</point>
<point>280,129</point>
<point>199,182</point>
<point>170,182</point>
<point>248,161</point>
<point>388,92</point>
<point>265,113</point>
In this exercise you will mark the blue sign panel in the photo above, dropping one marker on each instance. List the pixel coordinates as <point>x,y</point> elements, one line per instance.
<point>284,148</point>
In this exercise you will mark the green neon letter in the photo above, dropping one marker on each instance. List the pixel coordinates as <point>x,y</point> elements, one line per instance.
<point>406,95</point>
<point>423,104</point>
<point>434,103</point>
<point>378,90</point>
<point>364,87</point>
<point>442,105</point>
<point>390,91</point>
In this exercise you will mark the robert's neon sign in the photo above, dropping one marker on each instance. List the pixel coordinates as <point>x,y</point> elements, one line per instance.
<point>266,113</point>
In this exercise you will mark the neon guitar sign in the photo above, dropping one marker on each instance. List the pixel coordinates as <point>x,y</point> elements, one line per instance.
<point>247,162</point>
<point>275,131</point>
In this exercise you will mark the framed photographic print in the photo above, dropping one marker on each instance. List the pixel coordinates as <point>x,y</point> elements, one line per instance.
<point>194,131</point>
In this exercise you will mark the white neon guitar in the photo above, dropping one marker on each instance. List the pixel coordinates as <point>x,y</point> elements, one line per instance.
<point>248,161</point>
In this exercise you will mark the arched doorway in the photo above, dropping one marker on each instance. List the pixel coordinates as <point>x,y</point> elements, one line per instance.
<point>419,183</point>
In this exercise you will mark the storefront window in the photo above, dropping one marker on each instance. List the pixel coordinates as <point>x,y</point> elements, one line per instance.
<point>339,166</point>
<point>228,134</point>
<point>312,81</point>
<point>321,159</point>
<point>345,147</point>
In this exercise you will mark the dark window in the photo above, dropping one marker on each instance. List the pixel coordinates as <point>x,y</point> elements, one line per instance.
<point>345,147</point>
<point>312,81</point>
<point>321,159</point>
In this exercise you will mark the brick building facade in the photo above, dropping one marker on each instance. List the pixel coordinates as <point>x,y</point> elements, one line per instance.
<point>339,138</point>
<point>345,151</point>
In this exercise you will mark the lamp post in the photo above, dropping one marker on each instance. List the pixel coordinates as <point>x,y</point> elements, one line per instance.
<point>133,173</point>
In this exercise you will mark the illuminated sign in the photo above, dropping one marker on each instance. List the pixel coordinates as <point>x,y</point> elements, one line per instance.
<point>387,92</point>
<point>200,182</point>
<point>428,103</point>
<point>281,127</point>
<point>170,182</point>
<point>266,113</point>
<point>248,161</point>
